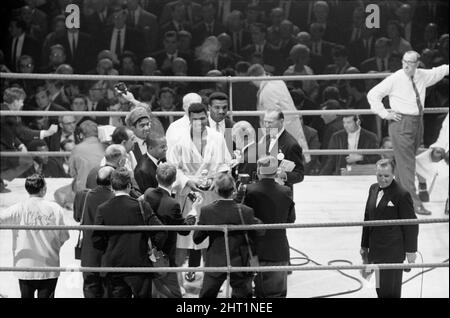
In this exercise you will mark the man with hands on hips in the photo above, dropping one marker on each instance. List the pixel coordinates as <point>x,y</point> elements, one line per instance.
<point>406,89</point>
<point>388,200</point>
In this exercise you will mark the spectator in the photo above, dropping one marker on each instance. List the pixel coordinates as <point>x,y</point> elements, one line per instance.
<point>235,28</point>
<point>128,62</point>
<point>35,19</point>
<point>380,62</point>
<point>185,42</point>
<point>192,11</point>
<point>145,22</point>
<point>331,31</point>
<point>126,249</point>
<point>45,245</point>
<point>299,54</point>
<point>319,45</point>
<point>166,102</point>
<point>209,25</point>
<point>149,66</point>
<point>44,103</point>
<point>178,20</point>
<point>226,211</point>
<point>65,133</point>
<point>333,123</point>
<point>42,164</point>
<point>317,62</point>
<point>395,33</point>
<point>145,171</point>
<point>84,211</point>
<point>58,30</point>
<point>218,119</point>
<point>168,211</point>
<point>352,137</point>
<point>165,58</point>
<point>79,103</point>
<point>272,203</point>
<point>56,57</point>
<point>138,121</point>
<point>19,44</point>
<point>86,155</point>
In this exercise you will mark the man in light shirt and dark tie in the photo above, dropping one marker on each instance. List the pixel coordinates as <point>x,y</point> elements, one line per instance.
<point>406,90</point>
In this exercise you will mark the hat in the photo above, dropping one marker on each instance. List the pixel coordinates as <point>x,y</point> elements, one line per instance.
<point>268,165</point>
<point>136,114</point>
<point>189,99</point>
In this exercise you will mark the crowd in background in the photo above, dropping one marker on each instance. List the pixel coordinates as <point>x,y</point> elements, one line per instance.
<point>215,38</point>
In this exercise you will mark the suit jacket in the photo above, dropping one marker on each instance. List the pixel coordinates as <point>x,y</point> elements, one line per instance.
<point>161,56</point>
<point>388,244</point>
<point>94,26</point>
<point>53,169</point>
<point>370,65</point>
<point>145,173</point>
<point>84,56</point>
<point>272,203</point>
<point>358,53</point>
<point>196,10</point>
<point>168,211</point>
<point>367,140</point>
<point>245,40</point>
<point>147,23</point>
<point>292,151</point>
<point>90,256</point>
<point>200,33</point>
<point>132,42</point>
<point>14,132</point>
<point>271,56</point>
<point>225,212</point>
<point>30,47</point>
<point>126,249</point>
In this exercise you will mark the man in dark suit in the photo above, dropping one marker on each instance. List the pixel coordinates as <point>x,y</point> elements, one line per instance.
<point>226,211</point>
<point>380,62</point>
<point>84,211</point>
<point>320,46</point>
<point>283,146</point>
<point>351,137</point>
<point>235,28</point>
<point>192,11</point>
<point>362,48</point>
<point>121,38</point>
<point>271,56</point>
<point>19,44</point>
<point>208,26</point>
<point>145,171</point>
<point>126,249</point>
<point>98,21</point>
<point>145,22</point>
<point>218,120</point>
<point>79,50</point>
<point>272,203</point>
<point>49,167</point>
<point>65,133</point>
<point>165,58</point>
<point>388,200</point>
<point>168,210</point>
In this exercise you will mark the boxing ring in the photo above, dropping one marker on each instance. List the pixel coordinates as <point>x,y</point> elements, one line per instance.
<point>327,230</point>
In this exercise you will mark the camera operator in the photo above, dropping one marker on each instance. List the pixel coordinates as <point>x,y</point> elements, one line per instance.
<point>272,203</point>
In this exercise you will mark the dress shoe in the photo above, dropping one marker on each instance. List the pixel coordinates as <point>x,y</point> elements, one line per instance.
<point>422,211</point>
<point>424,196</point>
<point>190,276</point>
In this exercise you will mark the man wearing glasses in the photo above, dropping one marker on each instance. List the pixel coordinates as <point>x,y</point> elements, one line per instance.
<point>406,90</point>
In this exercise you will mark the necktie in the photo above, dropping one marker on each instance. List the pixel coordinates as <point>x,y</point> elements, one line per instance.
<point>118,46</point>
<point>379,196</point>
<point>74,45</point>
<point>419,103</point>
<point>14,50</point>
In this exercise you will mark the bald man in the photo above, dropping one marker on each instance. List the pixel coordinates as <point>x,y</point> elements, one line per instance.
<point>84,209</point>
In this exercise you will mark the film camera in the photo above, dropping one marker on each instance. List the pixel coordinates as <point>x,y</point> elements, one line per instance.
<point>121,88</point>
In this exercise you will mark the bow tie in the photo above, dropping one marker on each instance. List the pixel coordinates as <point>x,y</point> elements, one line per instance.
<point>161,161</point>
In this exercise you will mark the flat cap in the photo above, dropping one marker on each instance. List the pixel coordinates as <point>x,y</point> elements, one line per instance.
<point>136,114</point>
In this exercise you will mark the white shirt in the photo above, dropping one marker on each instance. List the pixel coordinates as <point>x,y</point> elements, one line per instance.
<point>71,36</point>
<point>155,161</point>
<point>120,194</point>
<point>399,88</point>
<point>114,39</point>
<point>353,139</point>
<point>379,196</point>
<point>35,248</point>
<point>142,145</point>
<point>273,141</point>
<point>213,125</point>
<point>169,191</point>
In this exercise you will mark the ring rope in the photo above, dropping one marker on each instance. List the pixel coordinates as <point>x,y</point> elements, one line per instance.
<point>223,227</point>
<point>256,113</point>
<point>232,269</point>
<point>227,79</point>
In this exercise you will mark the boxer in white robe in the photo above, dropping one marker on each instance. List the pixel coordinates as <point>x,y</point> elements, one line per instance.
<point>201,148</point>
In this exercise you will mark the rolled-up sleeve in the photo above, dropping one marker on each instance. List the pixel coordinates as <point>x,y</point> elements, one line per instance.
<point>376,95</point>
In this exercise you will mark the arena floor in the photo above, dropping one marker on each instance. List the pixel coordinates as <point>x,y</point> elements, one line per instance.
<point>318,199</point>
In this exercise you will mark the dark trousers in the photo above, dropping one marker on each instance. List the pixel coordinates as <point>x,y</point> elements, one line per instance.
<point>390,283</point>
<point>271,284</point>
<point>406,136</point>
<point>166,287</point>
<point>240,282</point>
<point>128,286</point>
<point>45,288</point>
<point>195,257</point>
<point>93,285</point>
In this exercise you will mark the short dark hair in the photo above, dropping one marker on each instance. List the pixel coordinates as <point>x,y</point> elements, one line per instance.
<point>260,26</point>
<point>166,174</point>
<point>120,179</point>
<point>35,183</point>
<point>339,50</point>
<point>386,162</point>
<point>225,185</point>
<point>197,108</point>
<point>171,34</point>
<point>35,144</point>
<point>167,90</point>
<point>242,66</point>
<point>119,134</point>
<point>217,96</point>
<point>20,23</point>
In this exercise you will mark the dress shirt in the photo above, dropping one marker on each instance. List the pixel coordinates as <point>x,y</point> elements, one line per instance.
<point>142,145</point>
<point>155,161</point>
<point>273,141</point>
<point>72,37</point>
<point>379,196</point>
<point>213,125</point>
<point>353,139</point>
<point>120,194</point>
<point>114,40</point>
<point>18,43</point>
<point>398,87</point>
